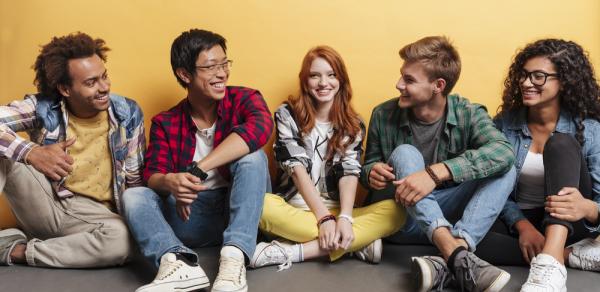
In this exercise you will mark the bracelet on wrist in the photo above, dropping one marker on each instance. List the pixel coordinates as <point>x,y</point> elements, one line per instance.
<point>433,176</point>
<point>347,217</point>
<point>325,219</point>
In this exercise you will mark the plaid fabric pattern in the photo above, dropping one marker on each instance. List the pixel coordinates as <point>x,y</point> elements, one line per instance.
<point>172,134</point>
<point>470,146</point>
<point>292,150</point>
<point>45,125</point>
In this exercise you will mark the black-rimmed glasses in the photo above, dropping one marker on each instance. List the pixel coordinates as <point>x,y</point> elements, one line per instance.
<point>214,69</point>
<point>537,77</point>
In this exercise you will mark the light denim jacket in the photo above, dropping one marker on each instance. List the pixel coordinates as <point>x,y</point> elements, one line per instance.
<point>514,126</point>
<point>45,121</point>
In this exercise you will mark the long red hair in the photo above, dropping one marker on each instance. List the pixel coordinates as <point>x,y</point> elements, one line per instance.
<point>344,119</point>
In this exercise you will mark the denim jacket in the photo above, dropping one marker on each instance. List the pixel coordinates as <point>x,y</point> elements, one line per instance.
<point>45,121</point>
<point>514,126</point>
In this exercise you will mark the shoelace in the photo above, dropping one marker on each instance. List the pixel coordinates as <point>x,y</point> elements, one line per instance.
<point>166,269</point>
<point>589,261</point>
<point>441,275</point>
<point>230,270</point>
<point>541,273</point>
<point>277,251</point>
<point>469,276</point>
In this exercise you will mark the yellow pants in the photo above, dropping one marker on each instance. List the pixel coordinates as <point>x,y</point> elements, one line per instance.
<point>370,222</point>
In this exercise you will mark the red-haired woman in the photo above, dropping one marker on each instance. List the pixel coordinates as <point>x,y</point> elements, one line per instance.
<point>318,147</point>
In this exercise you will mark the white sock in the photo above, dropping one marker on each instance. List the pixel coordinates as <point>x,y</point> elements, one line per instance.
<point>298,253</point>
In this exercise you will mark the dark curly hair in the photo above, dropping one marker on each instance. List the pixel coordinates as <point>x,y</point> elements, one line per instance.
<point>52,64</point>
<point>579,93</point>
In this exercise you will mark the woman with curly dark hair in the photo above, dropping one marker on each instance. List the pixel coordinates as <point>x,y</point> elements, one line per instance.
<point>550,114</point>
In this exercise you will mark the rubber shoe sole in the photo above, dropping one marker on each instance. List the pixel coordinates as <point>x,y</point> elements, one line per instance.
<point>421,274</point>
<point>180,286</point>
<point>499,283</point>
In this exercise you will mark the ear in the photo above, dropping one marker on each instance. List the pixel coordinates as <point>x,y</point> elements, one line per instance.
<point>184,75</point>
<point>439,85</point>
<point>64,90</point>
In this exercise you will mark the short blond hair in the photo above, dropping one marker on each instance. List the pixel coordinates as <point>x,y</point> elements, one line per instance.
<point>440,58</point>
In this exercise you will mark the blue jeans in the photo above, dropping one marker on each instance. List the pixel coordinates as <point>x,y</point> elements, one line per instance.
<point>220,216</point>
<point>476,204</point>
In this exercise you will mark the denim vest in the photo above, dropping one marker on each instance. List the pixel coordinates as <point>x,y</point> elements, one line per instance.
<point>514,126</point>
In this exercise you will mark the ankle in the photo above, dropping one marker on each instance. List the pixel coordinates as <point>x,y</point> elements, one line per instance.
<point>17,255</point>
<point>452,258</point>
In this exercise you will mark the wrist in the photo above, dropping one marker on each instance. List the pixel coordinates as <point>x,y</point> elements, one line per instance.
<point>348,218</point>
<point>592,211</point>
<point>523,225</point>
<point>436,180</point>
<point>324,219</point>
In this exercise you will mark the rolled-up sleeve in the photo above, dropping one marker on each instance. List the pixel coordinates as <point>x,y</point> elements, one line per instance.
<point>288,150</point>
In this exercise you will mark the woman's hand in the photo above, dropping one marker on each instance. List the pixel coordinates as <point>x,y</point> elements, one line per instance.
<point>344,235</point>
<point>327,235</point>
<point>570,205</point>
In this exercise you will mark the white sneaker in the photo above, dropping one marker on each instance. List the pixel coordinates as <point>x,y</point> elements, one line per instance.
<point>272,253</point>
<point>370,253</point>
<point>176,274</point>
<point>546,275</point>
<point>585,255</point>
<point>232,272</point>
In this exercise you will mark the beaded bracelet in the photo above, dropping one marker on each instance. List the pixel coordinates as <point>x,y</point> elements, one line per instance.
<point>325,219</point>
<point>434,177</point>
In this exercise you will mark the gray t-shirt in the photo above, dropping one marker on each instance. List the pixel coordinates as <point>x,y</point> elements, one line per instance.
<point>426,137</point>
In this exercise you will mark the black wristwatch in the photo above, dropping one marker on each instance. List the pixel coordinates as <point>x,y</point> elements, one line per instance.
<point>196,171</point>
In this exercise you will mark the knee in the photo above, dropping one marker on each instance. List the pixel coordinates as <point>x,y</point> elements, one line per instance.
<point>558,143</point>
<point>270,212</point>
<point>395,212</point>
<point>134,198</point>
<point>116,243</point>
<point>256,161</point>
<point>406,156</point>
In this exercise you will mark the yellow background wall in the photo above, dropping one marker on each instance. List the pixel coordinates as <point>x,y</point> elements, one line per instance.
<point>267,40</point>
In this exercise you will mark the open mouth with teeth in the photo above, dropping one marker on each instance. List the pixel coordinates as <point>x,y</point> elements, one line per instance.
<point>218,85</point>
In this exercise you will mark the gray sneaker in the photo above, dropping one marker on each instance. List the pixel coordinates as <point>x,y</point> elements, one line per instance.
<point>429,273</point>
<point>8,239</point>
<point>474,274</point>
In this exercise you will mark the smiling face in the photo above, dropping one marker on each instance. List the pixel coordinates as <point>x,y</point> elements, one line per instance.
<point>540,95</point>
<point>206,84</point>
<point>414,85</point>
<point>88,93</point>
<point>323,83</point>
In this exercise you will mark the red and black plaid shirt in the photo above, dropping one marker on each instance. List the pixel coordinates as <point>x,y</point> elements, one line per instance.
<point>172,134</point>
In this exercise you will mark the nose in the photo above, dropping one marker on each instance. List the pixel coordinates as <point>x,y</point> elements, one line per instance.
<point>322,81</point>
<point>221,72</point>
<point>104,84</point>
<point>400,85</point>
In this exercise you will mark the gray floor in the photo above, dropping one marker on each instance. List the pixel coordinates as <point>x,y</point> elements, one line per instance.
<point>348,274</point>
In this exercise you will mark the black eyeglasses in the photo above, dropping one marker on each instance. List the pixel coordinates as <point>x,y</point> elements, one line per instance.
<point>214,69</point>
<point>537,77</point>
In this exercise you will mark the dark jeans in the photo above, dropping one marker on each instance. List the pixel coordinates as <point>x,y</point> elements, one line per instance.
<point>564,166</point>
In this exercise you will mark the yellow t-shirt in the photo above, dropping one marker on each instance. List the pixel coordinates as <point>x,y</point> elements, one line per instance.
<point>92,167</point>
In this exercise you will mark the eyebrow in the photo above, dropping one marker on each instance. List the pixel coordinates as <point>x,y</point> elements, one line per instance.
<point>95,77</point>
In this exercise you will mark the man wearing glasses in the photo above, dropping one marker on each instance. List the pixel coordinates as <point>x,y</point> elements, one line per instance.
<point>205,172</point>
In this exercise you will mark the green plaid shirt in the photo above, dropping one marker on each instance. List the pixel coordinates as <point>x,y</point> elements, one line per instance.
<point>470,146</point>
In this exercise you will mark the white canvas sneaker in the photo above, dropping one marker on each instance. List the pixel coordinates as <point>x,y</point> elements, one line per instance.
<point>370,253</point>
<point>272,253</point>
<point>232,271</point>
<point>176,274</point>
<point>585,255</point>
<point>546,275</point>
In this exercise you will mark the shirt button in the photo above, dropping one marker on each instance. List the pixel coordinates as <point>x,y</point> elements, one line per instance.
<point>526,145</point>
